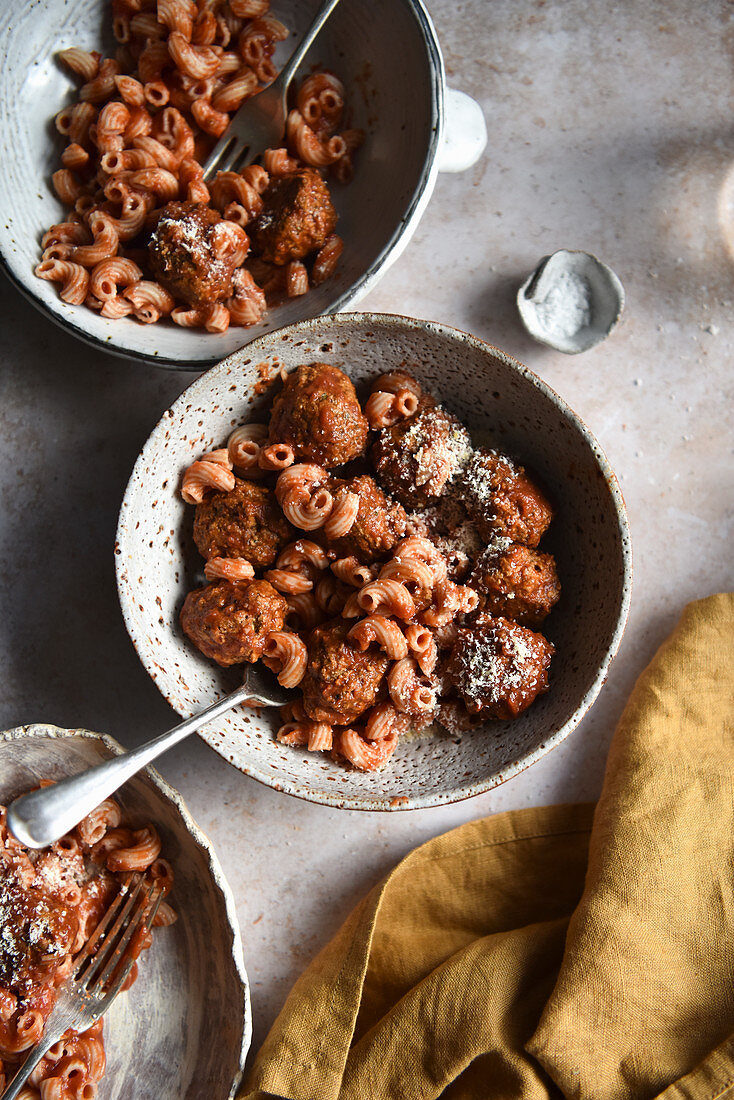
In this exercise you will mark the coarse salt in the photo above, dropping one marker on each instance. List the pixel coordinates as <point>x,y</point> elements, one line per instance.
<point>566,308</point>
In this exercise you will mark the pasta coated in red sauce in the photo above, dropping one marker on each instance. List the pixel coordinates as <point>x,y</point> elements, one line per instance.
<point>50,903</point>
<point>409,595</point>
<point>144,236</point>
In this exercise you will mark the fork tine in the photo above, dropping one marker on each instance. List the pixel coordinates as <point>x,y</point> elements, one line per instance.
<point>110,914</point>
<point>219,158</point>
<point>231,157</point>
<point>108,938</point>
<point>133,925</point>
<point>247,154</point>
<point>121,978</point>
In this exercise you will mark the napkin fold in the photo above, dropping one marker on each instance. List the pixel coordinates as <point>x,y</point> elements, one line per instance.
<point>566,951</point>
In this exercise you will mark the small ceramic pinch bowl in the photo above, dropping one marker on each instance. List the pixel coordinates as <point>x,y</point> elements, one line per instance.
<point>571,302</point>
<point>389,58</point>
<point>183,1029</point>
<point>500,401</point>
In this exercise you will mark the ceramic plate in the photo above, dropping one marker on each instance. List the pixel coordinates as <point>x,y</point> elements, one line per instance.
<point>182,1031</point>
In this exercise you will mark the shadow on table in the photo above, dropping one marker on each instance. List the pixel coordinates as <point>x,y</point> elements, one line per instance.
<point>72,421</point>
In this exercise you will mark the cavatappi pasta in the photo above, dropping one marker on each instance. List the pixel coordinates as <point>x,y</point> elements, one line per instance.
<point>388,617</point>
<point>145,236</point>
<point>50,903</point>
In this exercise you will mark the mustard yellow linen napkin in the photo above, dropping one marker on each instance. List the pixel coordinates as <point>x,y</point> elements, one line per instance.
<point>533,955</point>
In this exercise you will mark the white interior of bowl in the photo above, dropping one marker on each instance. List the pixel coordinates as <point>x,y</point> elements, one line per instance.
<point>606,300</point>
<point>192,986</point>
<point>493,394</point>
<point>386,53</point>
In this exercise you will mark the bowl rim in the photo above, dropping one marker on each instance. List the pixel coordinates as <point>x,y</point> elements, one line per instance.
<point>393,248</point>
<point>376,802</point>
<point>47,731</point>
<point>527,316</point>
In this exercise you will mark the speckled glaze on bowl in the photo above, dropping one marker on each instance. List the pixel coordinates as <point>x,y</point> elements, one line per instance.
<point>495,396</point>
<point>387,53</point>
<point>192,988</point>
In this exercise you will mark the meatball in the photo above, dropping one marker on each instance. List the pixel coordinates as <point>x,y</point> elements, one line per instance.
<point>246,522</point>
<point>517,582</point>
<point>502,500</point>
<point>318,414</point>
<point>459,546</point>
<point>229,622</point>
<point>297,217</point>
<point>453,534</point>
<point>340,681</point>
<point>379,524</point>
<point>499,667</point>
<point>183,257</point>
<point>456,719</point>
<point>418,458</point>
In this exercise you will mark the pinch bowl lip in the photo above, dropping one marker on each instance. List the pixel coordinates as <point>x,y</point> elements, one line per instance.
<point>607,299</point>
<point>160,793</point>
<point>187,349</point>
<point>160,648</point>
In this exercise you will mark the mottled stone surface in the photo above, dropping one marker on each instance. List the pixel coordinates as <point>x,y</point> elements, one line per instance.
<point>610,130</point>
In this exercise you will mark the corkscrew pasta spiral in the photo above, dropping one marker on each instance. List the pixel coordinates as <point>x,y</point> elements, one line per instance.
<point>201,476</point>
<point>82,871</point>
<point>137,135</point>
<point>408,692</point>
<point>388,597</point>
<point>366,755</point>
<point>342,516</point>
<point>287,655</point>
<point>385,632</point>
<point>229,569</point>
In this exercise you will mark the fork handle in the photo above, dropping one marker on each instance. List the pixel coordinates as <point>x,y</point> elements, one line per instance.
<point>26,1068</point>
<point>286,74</point>
<point>41,817</point>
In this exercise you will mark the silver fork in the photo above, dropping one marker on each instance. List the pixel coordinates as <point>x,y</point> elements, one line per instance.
<point>99,972</point>
<point>41,817</point>
<point>259,124</point>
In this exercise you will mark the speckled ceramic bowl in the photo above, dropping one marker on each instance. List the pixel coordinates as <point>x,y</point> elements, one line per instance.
<point>388,55</point>
<point>496,397</point>
<point>183,1030</point>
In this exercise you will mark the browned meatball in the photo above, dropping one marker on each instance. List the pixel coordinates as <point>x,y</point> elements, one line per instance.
<point>297,217</point>
<point>246,523</point>
<point>416,459</point>
<point>182,254</point>
<point>502,500</point>
<point>340,681</point>
<point>456,719</point>
<point>229,621</point>
<point>517,582</point>
<point>499,667</point>
<point>380,523</point>
<point>454,535</point>
<point>458,547</point>
<point>318,413</point>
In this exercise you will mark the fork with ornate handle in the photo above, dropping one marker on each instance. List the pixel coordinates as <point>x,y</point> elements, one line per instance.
<point>99,972</point>
<point>41,817</point>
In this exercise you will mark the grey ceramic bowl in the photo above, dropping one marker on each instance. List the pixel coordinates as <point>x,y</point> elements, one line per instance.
<point>388,55</point>
<point>496,397</point>
<point>183,1030</point>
